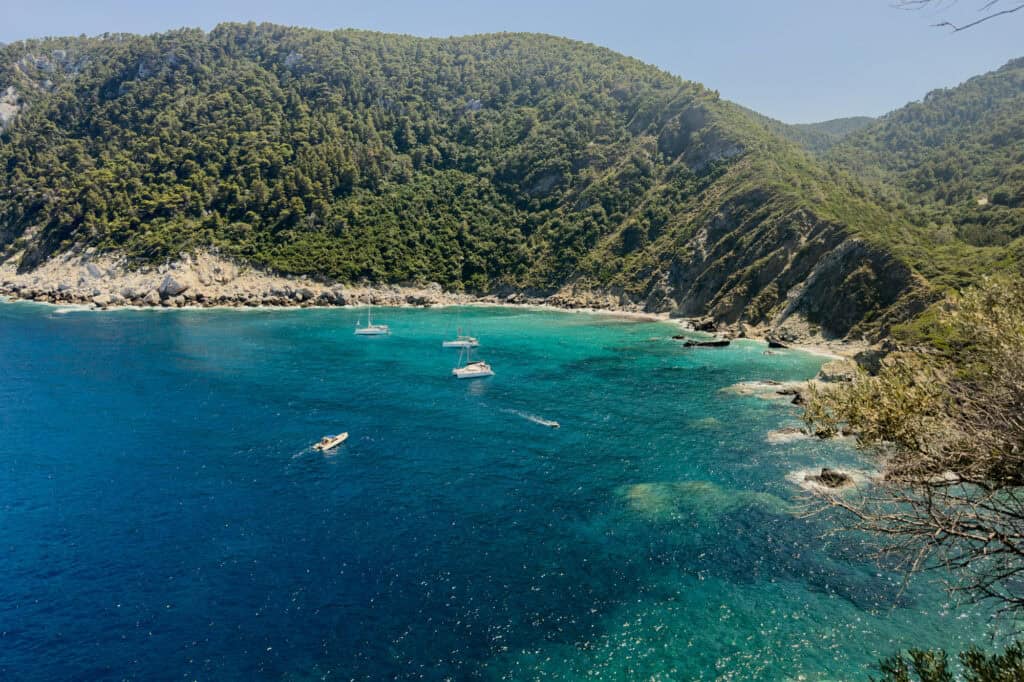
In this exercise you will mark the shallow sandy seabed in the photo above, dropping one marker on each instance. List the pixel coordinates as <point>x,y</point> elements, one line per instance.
<point>667,500</point>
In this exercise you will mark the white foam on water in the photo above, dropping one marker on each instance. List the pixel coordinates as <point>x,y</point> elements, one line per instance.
<point>534,418</point>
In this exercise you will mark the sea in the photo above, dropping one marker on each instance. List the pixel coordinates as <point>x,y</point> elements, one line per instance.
<point>163,515</point>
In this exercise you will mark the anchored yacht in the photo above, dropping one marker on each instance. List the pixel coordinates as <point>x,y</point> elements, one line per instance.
<point>472,369</point>
<point>372,329</point>
<point>461,341</point>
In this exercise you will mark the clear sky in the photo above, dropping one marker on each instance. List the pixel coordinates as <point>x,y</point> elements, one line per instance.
<point>796,60</point>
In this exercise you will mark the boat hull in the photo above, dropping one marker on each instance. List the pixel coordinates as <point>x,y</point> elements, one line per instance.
<point>375,330</point>
<point>473,375</point>
<point>473,371</point>
<point>334,442</point>
<point>460,344</point>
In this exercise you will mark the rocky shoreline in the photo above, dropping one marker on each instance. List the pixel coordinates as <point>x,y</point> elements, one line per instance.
<point>201,280</point>
<point>204,280</point>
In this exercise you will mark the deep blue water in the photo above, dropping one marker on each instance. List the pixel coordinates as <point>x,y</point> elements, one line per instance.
<point>164,518</point>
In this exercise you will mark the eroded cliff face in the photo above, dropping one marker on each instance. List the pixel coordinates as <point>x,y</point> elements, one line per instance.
<point>766,274</point>
<point>749,266</point>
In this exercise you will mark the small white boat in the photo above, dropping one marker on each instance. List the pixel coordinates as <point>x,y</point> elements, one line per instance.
<point>461,341</point>
<point>330,442</point>
<point>372,329</point>
<point>473,370</point>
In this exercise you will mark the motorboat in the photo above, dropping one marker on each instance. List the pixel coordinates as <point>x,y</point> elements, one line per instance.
<point>330,442</point>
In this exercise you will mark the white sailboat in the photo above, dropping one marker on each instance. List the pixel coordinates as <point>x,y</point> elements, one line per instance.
<point>371,329</point>
<point>461,341</point>
<point>472,369</point>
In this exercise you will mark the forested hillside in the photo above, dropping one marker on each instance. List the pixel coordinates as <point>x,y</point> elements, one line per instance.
<point>957,157</point>
<point>493,163</point>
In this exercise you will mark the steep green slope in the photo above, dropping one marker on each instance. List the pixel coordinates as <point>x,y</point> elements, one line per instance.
<point>957,159</point>
<point>495,163</point>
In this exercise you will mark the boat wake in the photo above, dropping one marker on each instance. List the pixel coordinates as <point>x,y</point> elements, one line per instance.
<point>551,424</point>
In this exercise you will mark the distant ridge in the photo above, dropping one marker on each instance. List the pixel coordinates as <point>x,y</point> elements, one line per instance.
<point>816,137</point>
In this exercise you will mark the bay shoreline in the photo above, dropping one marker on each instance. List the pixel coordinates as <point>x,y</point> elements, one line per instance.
<point>98,282</point>
<point>831,350</point>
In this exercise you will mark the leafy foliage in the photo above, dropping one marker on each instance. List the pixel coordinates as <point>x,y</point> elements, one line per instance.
<point>347,154</point>
<point>948,426</point>
<point>933,666</point>
<point>485,162</point>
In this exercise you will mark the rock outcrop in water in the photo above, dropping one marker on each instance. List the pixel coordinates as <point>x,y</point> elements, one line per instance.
<point>830,478</point>
<point>787,434</point>
<point>696,343</point>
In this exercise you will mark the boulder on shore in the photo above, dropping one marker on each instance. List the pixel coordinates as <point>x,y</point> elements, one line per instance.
<point>152,298</point>
<point>173,285</point>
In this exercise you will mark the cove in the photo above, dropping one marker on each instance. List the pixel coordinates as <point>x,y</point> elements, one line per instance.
<point>164,516</point>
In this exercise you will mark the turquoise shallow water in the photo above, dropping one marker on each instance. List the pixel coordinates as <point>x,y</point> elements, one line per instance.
<point>164,518</point>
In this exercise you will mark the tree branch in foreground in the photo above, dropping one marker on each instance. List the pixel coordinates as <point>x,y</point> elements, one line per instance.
<point>990,7</point>
<point>947,430</point>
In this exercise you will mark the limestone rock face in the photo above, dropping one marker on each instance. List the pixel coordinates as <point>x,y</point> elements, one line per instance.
<point>225,272</point>
<point>173,285</point>
<point>9,106</point>
<point>339,296</point>
<point>838,371</point>
<point>152,298</point>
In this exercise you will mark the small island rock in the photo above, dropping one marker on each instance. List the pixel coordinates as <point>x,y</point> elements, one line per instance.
<point>830,478</point>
